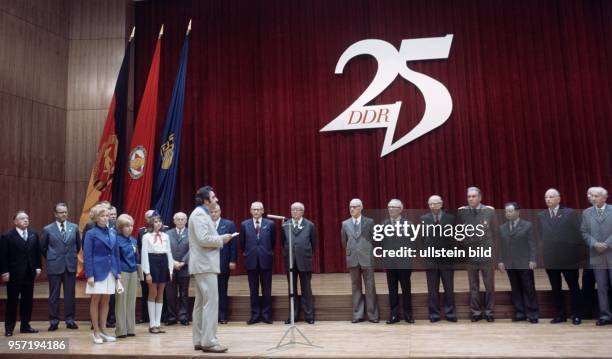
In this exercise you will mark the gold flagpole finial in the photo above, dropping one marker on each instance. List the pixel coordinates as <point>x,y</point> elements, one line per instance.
<point>161,32</point>
<point>132,35</point>
<point>189,27</point>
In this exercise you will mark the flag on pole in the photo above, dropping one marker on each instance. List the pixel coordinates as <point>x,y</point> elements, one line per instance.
<point>139,179</point>
<point>106,179</point>
<point>166,167</point>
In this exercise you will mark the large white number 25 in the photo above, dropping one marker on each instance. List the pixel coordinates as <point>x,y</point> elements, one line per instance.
<point>391,63</point>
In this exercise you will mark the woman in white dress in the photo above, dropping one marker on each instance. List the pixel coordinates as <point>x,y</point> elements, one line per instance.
<point>157,265</point>
<point>101,260</point>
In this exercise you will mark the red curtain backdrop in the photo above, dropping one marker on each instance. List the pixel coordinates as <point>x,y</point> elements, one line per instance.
<point>531,83</point>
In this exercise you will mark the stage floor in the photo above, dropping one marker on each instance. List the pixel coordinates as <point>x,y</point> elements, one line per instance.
<point>326,284</point>
<point>343,339</point>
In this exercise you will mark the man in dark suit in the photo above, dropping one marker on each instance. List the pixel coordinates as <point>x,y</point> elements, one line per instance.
<point>60,243</point>
<point>398,270</point>
<point>227,260</point>
<point>559,230</point>
<point>517,257</point>
<point>179,244</point>
<point>20,266</point>
<point>357,237</point>
<point>257,240</point>
<point>596,231</point>
<point>478,214</point>
<point>439,269</point>
<point>303,239</point>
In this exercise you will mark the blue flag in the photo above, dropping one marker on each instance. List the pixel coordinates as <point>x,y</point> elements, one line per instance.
<point>166,166</point>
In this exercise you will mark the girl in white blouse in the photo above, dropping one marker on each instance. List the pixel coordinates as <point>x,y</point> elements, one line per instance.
<point>157,265</point>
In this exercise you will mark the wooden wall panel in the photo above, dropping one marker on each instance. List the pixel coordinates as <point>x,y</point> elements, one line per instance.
<point>94,65</point>
<point>97,34</point>
<point>33,62</point>
<point>82,136</point>
<point>14,111</point>
<point>50,15</point>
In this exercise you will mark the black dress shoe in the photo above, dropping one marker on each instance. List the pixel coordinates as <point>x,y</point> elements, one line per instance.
<point>197,347</point>
<point>409,320</point>
<point>533,320</point>
<point>434,320</point>
<point>356,321</point>
<point>451,319</point>
<point>310,321</point>
<point>267,321</point>
<point>121,336</point>
<point>576,321</point>
<point>131,334</point>
<point>556,320</point>
<point>602,322</point>
<point>490,318</point>
<point>8,333</point>
<point>72,325</point>
<point>373,321</point>
<point>393,320</point>
<point>476,318</point>
<point>53,327</point>
<point>518,319</point>
<point>172,322</point>
<point>252,321</point>
<point>28,330</point>
<point>186,322</point>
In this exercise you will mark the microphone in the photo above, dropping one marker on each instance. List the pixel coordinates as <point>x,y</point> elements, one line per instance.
<point>274,216</point>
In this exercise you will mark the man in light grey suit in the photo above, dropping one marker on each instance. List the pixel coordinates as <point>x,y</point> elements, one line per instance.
<point>204,247</point>
<point>303,238</point>
<point>179,244</point>
<point>60,243</point>
<point>357,239</point>
<point>597,232</point>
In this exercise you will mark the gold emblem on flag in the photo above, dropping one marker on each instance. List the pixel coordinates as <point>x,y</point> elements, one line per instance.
<point>105,163</point>
<point>167,152</point>
<point>137,163</point>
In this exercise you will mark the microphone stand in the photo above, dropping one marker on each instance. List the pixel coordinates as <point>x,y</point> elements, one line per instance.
<point>292,328</point>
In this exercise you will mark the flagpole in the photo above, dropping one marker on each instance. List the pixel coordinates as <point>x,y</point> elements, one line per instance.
<point>132,35</point>
<point>188,28</point>
<point>161,32</point>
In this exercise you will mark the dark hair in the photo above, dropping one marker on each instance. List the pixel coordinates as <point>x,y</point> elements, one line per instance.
<point>513,204</point>
<point>151,221</point>
<point>203,194</point>
<point>60,204</point>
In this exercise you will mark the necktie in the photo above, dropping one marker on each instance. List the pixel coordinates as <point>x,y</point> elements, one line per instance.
<point>600,212</point>
<point>552,213</point>
<point>511,226</point>
<point>437,219</point>
<point>295,224</point>
<point>25,235</point>
<point>257,229</point>
<point>63,231</point>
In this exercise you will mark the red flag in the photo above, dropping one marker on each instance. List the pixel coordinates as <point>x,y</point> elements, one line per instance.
<point>139,179</point>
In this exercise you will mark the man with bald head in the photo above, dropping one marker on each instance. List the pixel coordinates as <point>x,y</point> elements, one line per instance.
<point>477,214</point>
<point>257,240</point>
<point>303,239</point>
<point>439,269</point>
<point>179,284</point>
<point>398,270</point>
<point>357,237</point>
<point>559,230</point>
<point>597,233</point>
